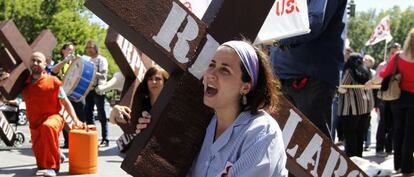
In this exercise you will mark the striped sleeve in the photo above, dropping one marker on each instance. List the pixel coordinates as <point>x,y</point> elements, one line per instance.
<point>354,101</point>
<point>347,78</point>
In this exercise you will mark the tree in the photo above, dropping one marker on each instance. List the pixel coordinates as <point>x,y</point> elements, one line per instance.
<point>362,25</point>
<point>67,19</point>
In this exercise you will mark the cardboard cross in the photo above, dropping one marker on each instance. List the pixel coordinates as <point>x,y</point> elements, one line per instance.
<point>133,65</point>
<point>15,56</point>
<point>179,42</point>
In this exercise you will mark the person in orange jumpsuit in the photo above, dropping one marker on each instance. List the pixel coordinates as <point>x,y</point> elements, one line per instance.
<point>44,98</point>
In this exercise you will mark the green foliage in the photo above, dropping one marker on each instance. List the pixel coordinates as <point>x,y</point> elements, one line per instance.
<point>67,19</point>
<point>363,24</point>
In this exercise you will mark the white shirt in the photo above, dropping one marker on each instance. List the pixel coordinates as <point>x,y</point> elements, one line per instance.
<point>101,65</point>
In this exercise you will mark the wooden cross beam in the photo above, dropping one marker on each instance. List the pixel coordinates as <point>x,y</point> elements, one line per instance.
<point>15,56</point>
<point>179,42</point>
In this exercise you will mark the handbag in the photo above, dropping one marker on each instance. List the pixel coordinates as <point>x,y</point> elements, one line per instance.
<point>390,87</point>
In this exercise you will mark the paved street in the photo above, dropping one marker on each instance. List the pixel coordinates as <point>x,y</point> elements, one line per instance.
<point>20,162</point>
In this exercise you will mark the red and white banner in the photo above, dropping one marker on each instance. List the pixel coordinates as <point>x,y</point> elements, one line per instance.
<point>381,32</point>
<point>287,18</point>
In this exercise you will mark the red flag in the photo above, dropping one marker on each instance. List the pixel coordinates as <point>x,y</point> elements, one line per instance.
<point>381,32</point>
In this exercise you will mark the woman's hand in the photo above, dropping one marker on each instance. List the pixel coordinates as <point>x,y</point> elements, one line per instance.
<point>374,81</point>
<point>120,114</point>
<point>368,84</point>
<point>342,90</point>
<point>143,122</point>
<point>69,58</point>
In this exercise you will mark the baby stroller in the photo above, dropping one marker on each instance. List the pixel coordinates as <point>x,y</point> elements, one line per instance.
<point>9,116</point>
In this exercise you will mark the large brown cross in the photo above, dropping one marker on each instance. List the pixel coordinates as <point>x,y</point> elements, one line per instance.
<point>171,35</point>
<point>133,65</point>
<point>15,56</point>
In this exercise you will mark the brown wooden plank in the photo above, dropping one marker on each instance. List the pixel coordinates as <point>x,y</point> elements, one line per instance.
<point>15,56</point>
<point>45,42</point>
<point>130,26</point>
<point>309,151</point>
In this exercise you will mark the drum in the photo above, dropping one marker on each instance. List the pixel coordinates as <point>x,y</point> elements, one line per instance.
<point>79,79</point>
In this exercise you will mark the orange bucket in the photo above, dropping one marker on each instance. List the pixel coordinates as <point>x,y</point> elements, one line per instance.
<point>83,150</point>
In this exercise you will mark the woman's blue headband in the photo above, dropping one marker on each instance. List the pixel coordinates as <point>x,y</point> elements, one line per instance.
<point>248,57</point>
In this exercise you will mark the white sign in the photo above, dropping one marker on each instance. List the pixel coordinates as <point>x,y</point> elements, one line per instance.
<point>287,18</point>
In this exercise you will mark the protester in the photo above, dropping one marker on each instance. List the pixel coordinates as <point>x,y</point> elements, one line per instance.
<point>44,98</point>
<point>93,98</point>
<point>369,63</point>
<point>355,105</point>
<point>238,84</point>
<point>336,124</point>
<point>402,108</point>
<point>68,55</point>
<point>385,124</point>
<point>145,97</point>
<point>308,65</point>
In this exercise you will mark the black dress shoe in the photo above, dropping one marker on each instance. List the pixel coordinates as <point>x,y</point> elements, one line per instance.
<point>104,143</point>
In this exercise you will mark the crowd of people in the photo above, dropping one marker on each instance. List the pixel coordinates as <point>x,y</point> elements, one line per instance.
<point>354,105</point>
<point>401,108</point>
<point>45,120</point>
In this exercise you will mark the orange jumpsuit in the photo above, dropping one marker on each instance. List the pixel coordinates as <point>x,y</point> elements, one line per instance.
<point>42,108</point>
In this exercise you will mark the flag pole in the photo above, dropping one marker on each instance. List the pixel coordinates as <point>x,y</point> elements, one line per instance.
<point>385,50</point>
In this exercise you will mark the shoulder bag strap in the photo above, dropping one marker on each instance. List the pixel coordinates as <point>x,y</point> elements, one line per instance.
<point>395,68</point>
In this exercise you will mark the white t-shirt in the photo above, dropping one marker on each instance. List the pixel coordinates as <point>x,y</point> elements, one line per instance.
<point>101,66</point>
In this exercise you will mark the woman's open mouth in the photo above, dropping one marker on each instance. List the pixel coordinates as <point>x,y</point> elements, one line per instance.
<point>210,90</point>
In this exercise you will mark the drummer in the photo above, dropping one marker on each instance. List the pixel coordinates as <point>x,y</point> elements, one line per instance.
<point>93,98</point>
<point>44,119</point>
